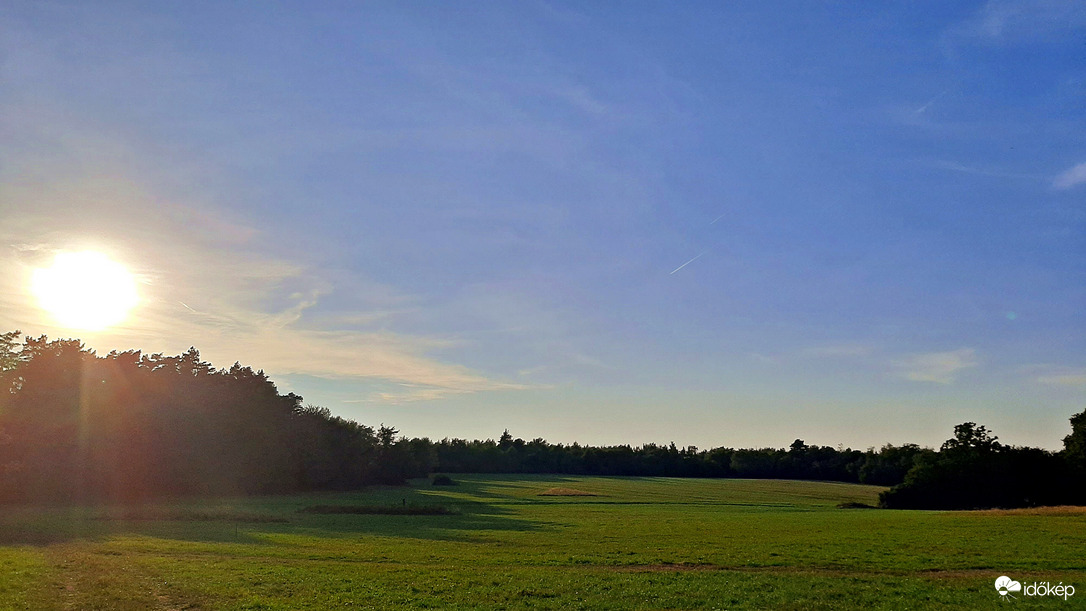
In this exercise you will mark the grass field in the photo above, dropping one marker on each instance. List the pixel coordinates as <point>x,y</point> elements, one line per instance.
<point>547,542</point>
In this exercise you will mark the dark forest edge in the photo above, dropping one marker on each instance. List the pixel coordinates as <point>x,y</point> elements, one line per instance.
<point>127,426</point>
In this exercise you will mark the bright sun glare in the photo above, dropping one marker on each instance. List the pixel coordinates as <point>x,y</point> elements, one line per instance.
<point>85,290</point>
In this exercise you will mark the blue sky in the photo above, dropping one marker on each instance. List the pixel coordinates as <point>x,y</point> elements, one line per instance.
<point>710,223</point>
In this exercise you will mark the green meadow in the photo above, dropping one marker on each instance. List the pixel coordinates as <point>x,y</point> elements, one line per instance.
<point>537,542</point>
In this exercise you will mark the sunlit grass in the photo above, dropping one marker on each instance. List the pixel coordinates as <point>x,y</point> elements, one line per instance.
<point>638,543</point>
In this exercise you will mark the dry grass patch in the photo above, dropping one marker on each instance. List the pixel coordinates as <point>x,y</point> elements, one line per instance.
<point>566,492</point>
<point>1056,510</point>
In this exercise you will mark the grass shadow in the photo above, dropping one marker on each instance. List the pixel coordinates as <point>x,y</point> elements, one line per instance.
<point>394,511</point>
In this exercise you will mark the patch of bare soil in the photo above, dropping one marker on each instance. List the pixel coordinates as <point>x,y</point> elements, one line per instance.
<point>665,568</point>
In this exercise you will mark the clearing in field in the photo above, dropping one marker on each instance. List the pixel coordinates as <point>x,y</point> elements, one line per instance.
<point>497,542</point>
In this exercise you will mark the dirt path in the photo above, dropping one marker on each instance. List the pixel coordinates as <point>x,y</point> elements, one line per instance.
<point>89,577</point>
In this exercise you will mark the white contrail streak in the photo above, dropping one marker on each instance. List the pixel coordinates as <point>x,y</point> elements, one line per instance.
<point>688,262</point>
<point>713,222</point>
<point>930,102</point>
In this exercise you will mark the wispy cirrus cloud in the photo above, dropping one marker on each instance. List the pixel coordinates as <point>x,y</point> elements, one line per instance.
<point>981,171</point>
<point>1070,178</point>
<point>936,367</point>
<point>1056,375</point>
<point>1008,20</point>
<point>844,350</point>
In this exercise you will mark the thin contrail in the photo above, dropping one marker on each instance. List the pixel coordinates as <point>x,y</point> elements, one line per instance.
<point>716,219</point>
<point>688,262</point>
<point>930,102</point>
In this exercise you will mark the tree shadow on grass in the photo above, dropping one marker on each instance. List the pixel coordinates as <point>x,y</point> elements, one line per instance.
<point>270,520</point>
<point>469,527</point>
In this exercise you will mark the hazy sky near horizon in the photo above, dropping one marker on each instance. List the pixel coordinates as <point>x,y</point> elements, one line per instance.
<point>713,223</point>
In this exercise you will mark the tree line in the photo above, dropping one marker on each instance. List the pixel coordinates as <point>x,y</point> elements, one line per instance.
<point>77,426</point>
<point>886,466</point>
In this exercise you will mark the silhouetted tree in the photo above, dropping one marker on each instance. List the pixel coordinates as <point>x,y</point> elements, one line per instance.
<point>969,438</point>
<point>1074,445</point>
<point>1074,453</point>
<point>973,470</point>
<point>888,466</point>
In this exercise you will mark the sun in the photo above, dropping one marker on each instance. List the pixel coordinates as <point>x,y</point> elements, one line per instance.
<point>85,290</point>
